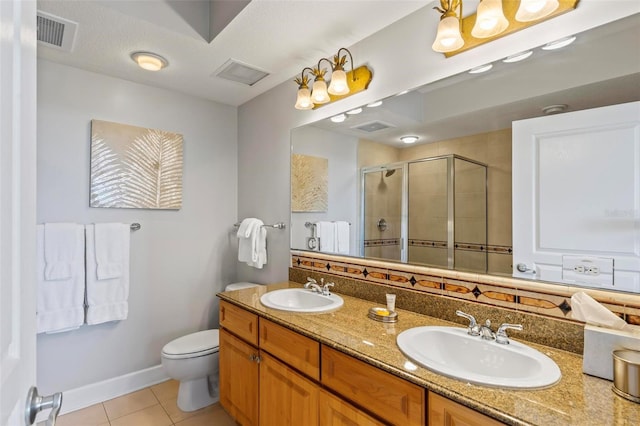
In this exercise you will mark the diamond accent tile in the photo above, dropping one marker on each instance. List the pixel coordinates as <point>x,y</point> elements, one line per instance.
<point>476,292</point>
<point>365,272</point>
<point>413,281</point>
<point>565,307</point>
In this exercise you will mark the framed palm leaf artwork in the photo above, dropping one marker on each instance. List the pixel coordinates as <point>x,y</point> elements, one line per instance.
<point>135,167</point>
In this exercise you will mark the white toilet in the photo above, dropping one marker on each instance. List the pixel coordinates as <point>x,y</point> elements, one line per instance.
<point>193,361</point>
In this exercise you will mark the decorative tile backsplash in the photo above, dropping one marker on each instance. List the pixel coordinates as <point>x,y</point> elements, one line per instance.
<point>550,300</point>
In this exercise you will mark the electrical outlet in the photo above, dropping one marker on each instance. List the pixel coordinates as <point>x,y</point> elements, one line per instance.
<point>593,270</point>
<point>579,269</point>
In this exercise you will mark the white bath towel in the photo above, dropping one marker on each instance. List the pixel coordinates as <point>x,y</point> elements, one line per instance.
<point>110,238</point>
<point>342,237</point>
<point>252,242</point>
<point>107,299</point>
<point>327,235</point>
<point>60,249</point>
<point>60,303</point>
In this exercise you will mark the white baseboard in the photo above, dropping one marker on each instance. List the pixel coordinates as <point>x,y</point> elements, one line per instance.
<point>76,399</point>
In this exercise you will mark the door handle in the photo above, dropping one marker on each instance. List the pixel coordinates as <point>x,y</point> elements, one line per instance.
<point>37,403</point>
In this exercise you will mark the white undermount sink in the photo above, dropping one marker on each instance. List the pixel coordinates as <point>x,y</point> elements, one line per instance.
<point>450,351</point>
<point>301,300</point>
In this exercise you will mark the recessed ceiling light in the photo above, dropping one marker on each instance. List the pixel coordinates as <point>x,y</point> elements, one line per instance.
<point>355,111</point>
<point>338,118</point>
<point>554,109</point>
<point>409,139</point>
<point>374,104</point>
<point>149,61</point>
<point>481,68</point>
<point>404,92</point>
<point>518,57</point>
<point>559,44</point>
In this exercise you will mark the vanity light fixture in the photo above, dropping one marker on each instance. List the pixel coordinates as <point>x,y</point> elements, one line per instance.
<point>492,19</point>
<point>355,111</point>
<point>149,61</point>
<point>559,44</point>
<point>374,104</point>
<point>481,69</point>
<point>518,57</point>
<point>341,83</point>
<point>409,139</point>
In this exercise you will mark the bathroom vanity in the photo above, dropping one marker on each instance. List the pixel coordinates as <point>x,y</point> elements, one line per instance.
<point>343,368</point>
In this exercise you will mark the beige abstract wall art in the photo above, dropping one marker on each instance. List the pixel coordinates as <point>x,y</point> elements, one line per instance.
<point>135,167</point>
<point>309,182</point>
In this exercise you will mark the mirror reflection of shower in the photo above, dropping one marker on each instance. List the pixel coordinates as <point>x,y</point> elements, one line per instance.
<point>447,200</point>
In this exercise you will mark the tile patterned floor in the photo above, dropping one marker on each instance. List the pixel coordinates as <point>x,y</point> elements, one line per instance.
<point>153,406</point>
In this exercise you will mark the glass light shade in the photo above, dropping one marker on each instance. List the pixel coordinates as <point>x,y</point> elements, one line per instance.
<point>532,10</point>
<point>304,99</point>
<point>149,61</point>
<point>448,37</point>
<point>559,44</point>
<point>339,85</point>
<point>319,93</point>
<point>339,118</point>
<point>490,19</point>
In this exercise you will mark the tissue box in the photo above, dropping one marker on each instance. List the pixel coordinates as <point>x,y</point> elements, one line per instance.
<point>599,343</point>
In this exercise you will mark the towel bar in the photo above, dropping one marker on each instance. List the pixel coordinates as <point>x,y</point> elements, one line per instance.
<point>279,225</point>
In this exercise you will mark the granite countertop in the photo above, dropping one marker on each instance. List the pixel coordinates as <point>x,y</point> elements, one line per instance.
<point>578,399</point>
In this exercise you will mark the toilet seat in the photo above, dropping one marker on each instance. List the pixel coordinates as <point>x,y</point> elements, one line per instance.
<point>193,345</point>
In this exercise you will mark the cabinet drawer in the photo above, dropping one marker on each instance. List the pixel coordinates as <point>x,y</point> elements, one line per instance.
<point>444,412</point>
<point>298,351</point>
<point>242,323</point>
<point>393,399</point>
<point>336,412</point>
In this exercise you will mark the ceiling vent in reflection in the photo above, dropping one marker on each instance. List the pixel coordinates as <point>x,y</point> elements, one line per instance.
<point>373,126</point>
<point>241,73</point>
<point>56,32</point>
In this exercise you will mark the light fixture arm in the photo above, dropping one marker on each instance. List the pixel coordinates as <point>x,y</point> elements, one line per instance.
<point>318,71</point>
<point>338,62</point>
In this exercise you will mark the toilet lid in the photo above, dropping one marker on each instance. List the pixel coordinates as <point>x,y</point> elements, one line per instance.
<point>240,286</point>
<point>192,345</point>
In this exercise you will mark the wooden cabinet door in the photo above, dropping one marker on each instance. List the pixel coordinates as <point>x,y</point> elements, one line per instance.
<point>238,379</point>
<point>336,412</point>
<point>444,412</point>
<point>286,397</point>
<point>391,398</point>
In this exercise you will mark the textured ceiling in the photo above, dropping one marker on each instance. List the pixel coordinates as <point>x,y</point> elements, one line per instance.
<point>277,36</point>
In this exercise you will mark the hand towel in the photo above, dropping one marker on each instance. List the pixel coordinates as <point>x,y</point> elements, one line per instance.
<point>60,250</point>
<point>327,235</point>
<point>107,299</point>
<point>60,303</point>
<point>110,237</point>
<point>342,237</point>
<point>252,245</point>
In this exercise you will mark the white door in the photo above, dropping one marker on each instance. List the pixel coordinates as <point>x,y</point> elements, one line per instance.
<point>17,206</point>
<point>576,197</point>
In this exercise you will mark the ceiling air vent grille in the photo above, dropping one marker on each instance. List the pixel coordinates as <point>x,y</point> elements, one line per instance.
<point>241,73</point>
<point>56,32</point>
<point>373,126</point>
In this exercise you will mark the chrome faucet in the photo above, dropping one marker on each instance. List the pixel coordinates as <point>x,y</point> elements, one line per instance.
<point>473,329</point>
<point>325,289</point>
<point>501,334</point>
<point>313,285</point>
<point>485,331</point>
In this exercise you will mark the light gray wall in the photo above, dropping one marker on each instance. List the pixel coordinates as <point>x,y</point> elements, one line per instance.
<point>400,57</point>
<point>179,259</point>
<point>341,153</point>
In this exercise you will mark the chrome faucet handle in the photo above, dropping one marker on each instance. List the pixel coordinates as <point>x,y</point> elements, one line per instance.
<point>313,285</point>
<point>501,334</point>
<point>325,289</point>
<point>311,280</point>
<point>473,329</point>
<point>485,331</point>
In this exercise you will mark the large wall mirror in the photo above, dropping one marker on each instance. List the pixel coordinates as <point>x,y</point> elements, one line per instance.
<point>446,199</point>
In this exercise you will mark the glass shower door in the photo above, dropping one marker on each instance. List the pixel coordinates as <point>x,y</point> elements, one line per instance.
<point>382,212</point>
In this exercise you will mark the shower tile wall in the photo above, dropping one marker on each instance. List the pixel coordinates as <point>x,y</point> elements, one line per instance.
<point>470,216</point>
<point>383,201</point>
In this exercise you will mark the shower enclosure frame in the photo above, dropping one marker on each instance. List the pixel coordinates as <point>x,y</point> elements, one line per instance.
<point>404,227</point>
